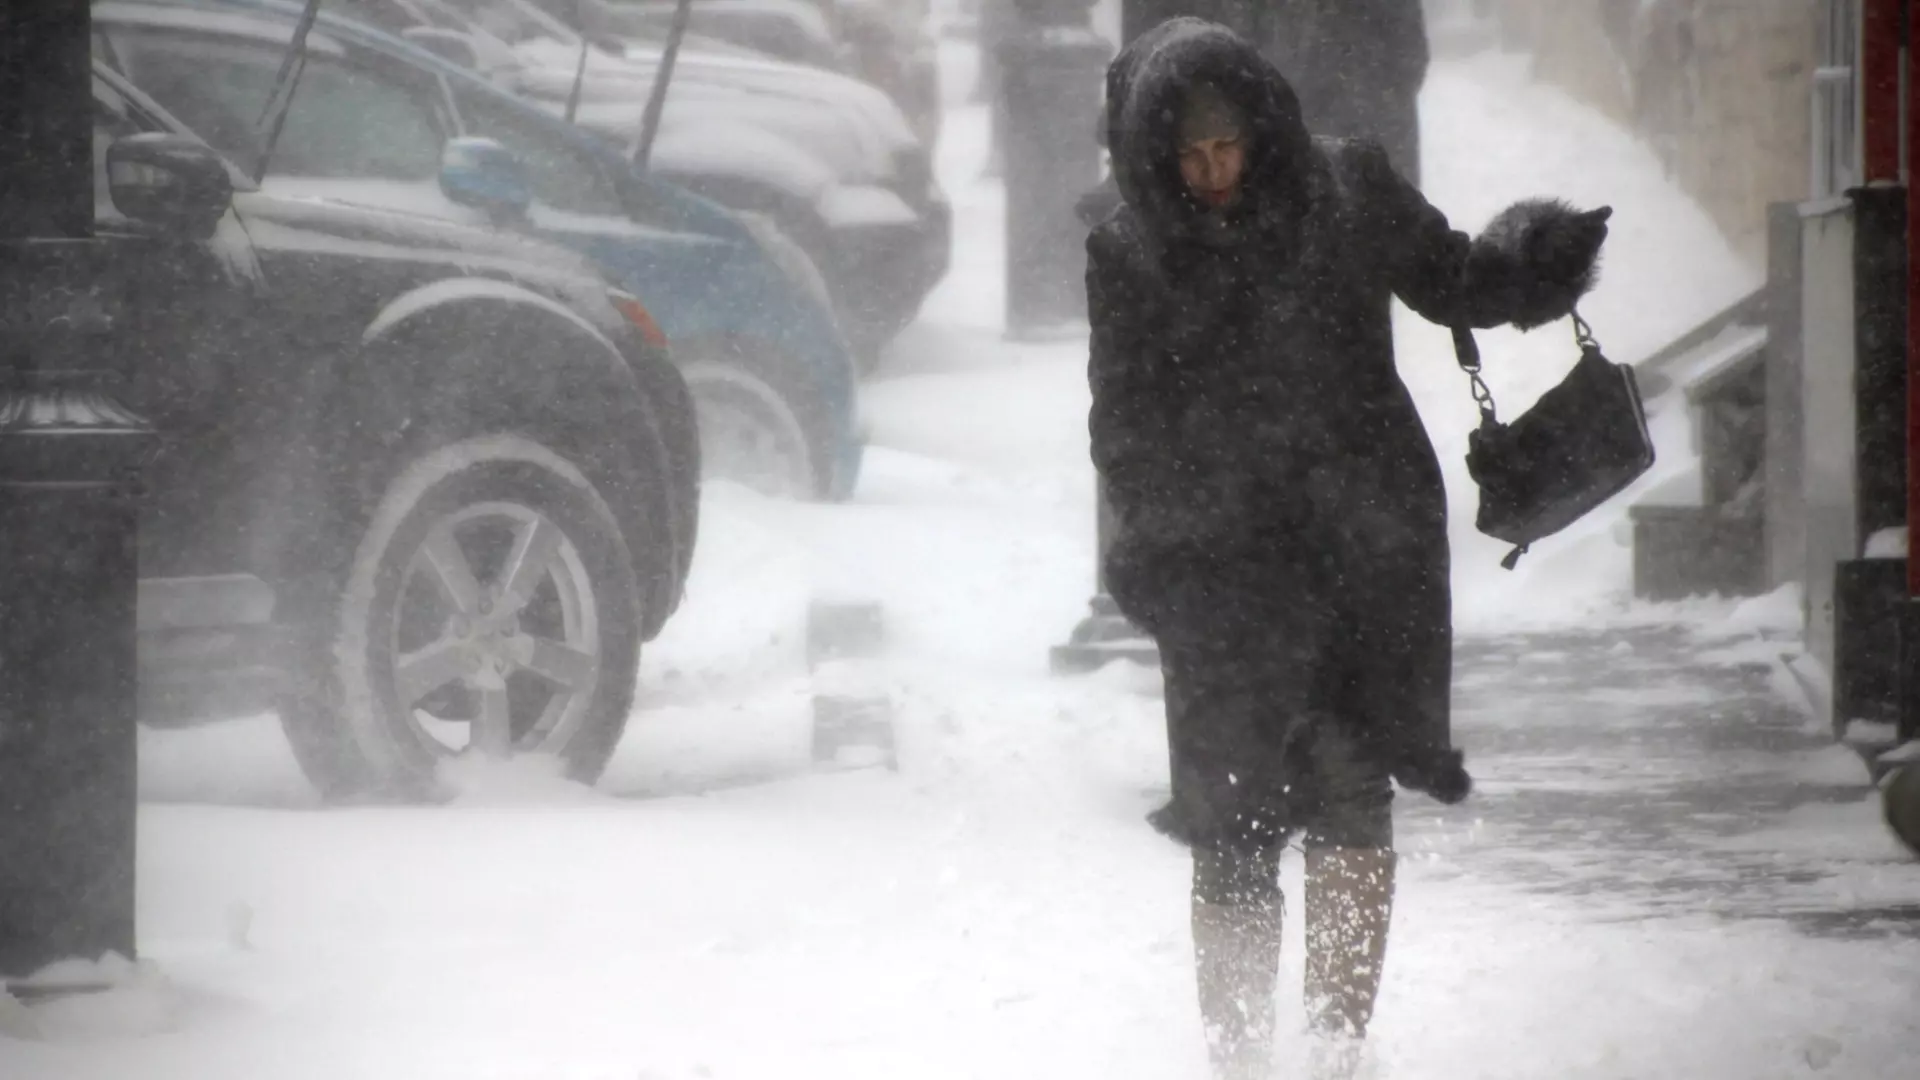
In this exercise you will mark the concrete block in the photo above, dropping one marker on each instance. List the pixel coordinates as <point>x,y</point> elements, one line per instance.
<point>852,709</point>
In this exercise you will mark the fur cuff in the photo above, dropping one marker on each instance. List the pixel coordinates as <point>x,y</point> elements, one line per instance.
<point>1534,261</point>
<point>1441,774</point>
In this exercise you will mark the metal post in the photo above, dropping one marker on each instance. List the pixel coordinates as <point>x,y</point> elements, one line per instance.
<point>1050,82</point>
<point>996,24</point>
<point>67,528</point>
<point>1105,635</point>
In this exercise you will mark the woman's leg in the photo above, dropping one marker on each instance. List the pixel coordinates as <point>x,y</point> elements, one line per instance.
<point>1236,913</point>
<point>1388,688</point>
<point>1217,706</point>
<point>1349,902</point>
<point>1350,866</point>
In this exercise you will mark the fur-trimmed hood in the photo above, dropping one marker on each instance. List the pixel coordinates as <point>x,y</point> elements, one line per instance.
<point>1146,87</point>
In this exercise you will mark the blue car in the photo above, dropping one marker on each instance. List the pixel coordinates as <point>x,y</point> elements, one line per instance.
<point>379,121</point>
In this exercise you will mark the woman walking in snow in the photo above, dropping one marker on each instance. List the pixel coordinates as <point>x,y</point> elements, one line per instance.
<point>1281,519</point>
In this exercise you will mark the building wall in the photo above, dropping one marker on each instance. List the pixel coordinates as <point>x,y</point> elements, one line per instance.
<point>1721,89</point>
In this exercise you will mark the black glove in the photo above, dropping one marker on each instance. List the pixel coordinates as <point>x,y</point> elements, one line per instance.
<point>1441,774</point>
<point>1533,262</point>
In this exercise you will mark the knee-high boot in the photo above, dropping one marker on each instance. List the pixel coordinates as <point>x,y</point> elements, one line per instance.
<point>1349,901</point>
<point>1236,952</point>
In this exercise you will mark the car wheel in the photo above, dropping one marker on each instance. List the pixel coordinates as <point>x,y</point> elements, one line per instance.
<point>750,432</point>
<point>490,607</point>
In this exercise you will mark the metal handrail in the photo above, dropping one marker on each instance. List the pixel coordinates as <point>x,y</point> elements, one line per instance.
<point>1751,308</point>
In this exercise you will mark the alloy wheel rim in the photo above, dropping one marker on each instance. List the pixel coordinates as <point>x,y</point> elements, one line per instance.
<point>495,634</point>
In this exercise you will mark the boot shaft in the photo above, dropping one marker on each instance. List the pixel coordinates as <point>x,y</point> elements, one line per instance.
<point>1349,909</point>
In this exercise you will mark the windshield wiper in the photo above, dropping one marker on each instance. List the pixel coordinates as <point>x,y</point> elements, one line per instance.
<point>657,101</point>
<point>580,69</point>
<point>274,116</point>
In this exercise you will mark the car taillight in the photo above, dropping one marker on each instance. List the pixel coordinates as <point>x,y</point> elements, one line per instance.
<point>636,313</point>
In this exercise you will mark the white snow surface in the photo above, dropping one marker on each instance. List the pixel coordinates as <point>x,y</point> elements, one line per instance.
<point>1888,544</point>
<point>995,908</point>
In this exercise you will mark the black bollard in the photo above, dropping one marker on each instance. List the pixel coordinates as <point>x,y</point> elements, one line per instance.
<point>68,461</point>
<point>68,572</point>
<point>1051,77</point>
<point>1104,635</point>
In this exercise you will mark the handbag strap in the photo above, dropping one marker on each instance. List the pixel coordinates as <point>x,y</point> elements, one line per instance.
<point>1467,351</point>
<point>1583,334</point>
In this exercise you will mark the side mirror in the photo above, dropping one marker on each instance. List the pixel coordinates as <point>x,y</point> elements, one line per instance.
<point>486,176</point>
<point>449,45</point>
<point>172,181</point>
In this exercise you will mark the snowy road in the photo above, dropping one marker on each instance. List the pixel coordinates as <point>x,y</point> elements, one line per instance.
<point>1665,873</point>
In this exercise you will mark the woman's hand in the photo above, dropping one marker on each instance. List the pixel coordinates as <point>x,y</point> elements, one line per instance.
<point>1533,262</point>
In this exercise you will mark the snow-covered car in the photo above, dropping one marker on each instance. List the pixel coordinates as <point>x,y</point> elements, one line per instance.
<point>830,158</point>
<point>747,313</point>
<point>425,489</point>
<point>869,41</point>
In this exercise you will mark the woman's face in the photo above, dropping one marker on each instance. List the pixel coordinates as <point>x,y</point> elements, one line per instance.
<point>1212,167</point>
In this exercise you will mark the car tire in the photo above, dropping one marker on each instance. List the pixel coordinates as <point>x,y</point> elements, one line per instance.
<point>752,430</point>
<point>439,637</point>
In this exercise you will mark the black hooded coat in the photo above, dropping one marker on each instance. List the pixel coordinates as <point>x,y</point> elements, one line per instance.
<point>1274,491</point>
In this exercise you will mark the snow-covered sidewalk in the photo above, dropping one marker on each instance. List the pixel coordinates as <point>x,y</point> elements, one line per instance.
<point>1664,874</point>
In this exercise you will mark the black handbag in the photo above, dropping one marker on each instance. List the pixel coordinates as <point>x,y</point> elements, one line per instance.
<point>1581,444</point>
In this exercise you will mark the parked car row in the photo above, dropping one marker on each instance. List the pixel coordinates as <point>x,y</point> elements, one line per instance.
<point>832,160</point>
<point>743,307</point>
<point>437,375</point>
